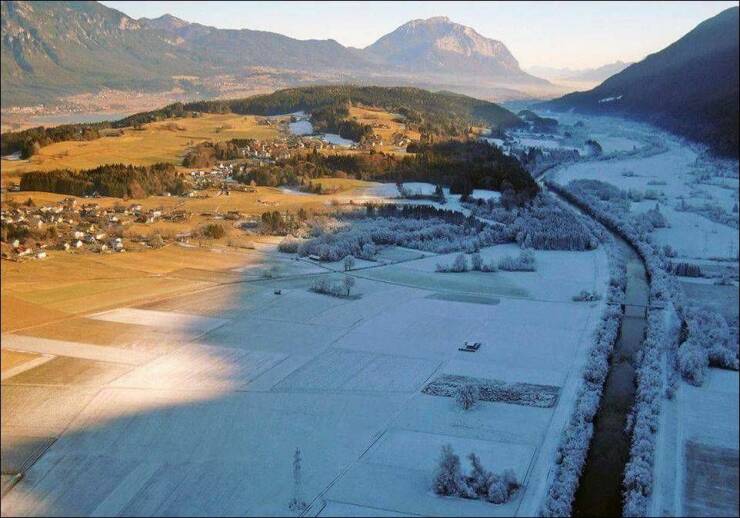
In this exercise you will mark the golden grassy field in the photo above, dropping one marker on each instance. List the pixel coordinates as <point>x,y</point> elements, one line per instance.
<point>375,117</point>
<point>65,285</point>
<point>250,203</point>
<point>51,295</point>
<point>164,141</point>
<point>50,298</point>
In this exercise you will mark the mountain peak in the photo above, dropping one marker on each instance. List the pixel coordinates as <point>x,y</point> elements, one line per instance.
<point>166,22</point>
<point>439,45</point>
<point>430,21</point>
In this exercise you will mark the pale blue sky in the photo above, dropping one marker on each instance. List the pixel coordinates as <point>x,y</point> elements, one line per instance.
<point>554,34</point>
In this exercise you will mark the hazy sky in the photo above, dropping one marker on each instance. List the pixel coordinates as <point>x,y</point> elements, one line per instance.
<point>555,34</point>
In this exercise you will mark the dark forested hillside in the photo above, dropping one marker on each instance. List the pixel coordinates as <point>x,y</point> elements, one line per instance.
<point>461,165</point>
<point>117,180</point>
<point>689,88</point>
<point>417,105</point>
<point>439,113</point>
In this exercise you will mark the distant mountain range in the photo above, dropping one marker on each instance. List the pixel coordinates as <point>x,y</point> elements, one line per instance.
<point>54,49</point>
<point>597,74</point>
<point>690,87</point>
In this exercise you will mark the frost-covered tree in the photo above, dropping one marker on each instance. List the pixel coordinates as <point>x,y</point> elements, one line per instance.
<point>448,479</point>
<point>524,263</point>
<point>467,396</point>
<point>348,282</point>
<point>479,479</point>
<point>349,263</point>
<point>460,264</point>
<point>709,343</point>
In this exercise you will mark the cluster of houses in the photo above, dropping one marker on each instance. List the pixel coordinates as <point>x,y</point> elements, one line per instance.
<point>29,231</point>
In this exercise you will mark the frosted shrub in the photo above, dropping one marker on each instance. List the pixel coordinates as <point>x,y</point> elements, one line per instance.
<point>497,493</point>
<point>693,361</point>
<point>289,245</point>
<point>586,296</point>
<point>467,396</point>
<point>685,269</point>
<point>459,265</point>
<point>489,267</point>
<point>649,220</point>
<point>448,479</point>
<point>709,342</point>
<point>524,263</point>
<point>335,289</point>
<point>479,483</point>
<point>669,251</point>
<point>476,262</point>
<point>368,251</point>
<point>502,487</point>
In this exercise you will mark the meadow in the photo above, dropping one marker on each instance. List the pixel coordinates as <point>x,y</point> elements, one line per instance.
<point>163,141</point>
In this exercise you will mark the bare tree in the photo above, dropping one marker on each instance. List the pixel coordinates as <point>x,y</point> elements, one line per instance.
<point>348,283</point>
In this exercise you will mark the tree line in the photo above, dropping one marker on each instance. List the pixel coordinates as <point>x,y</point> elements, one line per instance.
<point>117,180</point>
<point>461,165</point>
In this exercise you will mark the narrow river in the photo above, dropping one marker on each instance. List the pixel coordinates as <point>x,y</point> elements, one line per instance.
<point>600,490</point>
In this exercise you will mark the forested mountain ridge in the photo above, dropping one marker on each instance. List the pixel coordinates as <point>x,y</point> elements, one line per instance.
<point>690,87</point>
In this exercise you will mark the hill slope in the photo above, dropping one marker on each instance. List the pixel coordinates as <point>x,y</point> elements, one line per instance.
<point>50,49</point>
<point>224,48</point>
<point>690,87</point>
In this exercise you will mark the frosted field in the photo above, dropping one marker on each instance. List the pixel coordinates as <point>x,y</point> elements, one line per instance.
<point>210,426</point>
<point>672,173</point>
<point>304,127</point>
<point>301,127</point>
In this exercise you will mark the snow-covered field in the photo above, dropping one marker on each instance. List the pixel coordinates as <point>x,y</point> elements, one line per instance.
<point>304,127</point>
<point>210,426</point>
<point>333,138</point>
<point>673,175</point>
<point>301,127</point>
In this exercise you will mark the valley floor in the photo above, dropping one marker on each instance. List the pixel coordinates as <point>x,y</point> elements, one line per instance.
<point>195,403</point>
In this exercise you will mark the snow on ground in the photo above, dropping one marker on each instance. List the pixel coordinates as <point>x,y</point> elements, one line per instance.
<point>161,319</point>
<point>697,450</point>
<point>335,139</point>
<point>210,427</point>
<point>301,127</point>
<point>389,192</point>
<point>304,127</point>
<point>697,458</point>
<point>673,175</point>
